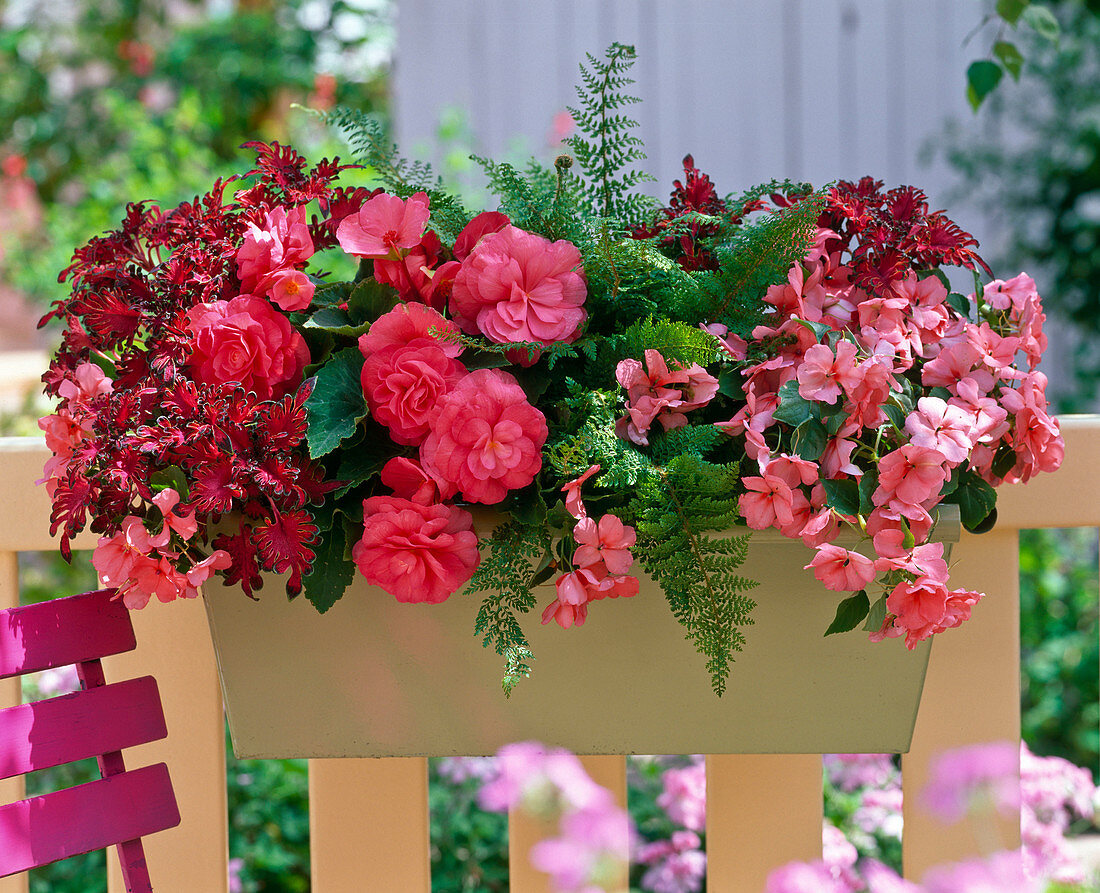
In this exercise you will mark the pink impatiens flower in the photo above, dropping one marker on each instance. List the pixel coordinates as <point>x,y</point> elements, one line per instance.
<point>608,542</point>
<point>841,569</point>
<point>573,503</point>
<point>939,426</point>
<point>518,286</point>
<point>385,227</point>
<point>824,376</point>
<point>485,437</point>
<point>657,393</point>
<point>417,553</point>
<point>910,475</point>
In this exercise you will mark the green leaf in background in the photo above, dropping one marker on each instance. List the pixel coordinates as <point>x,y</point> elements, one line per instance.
<point>1010,57</point>
<point>976,500</point>
<point>369,300</point>
<point>331,573</point>
<point>337,404</point>
<point>1010,10</point>
<point>843,496</point>
<point>868,483</point>
<point>850,613</point>
<point>173,477</point>
<point>1042,20</point>
<point>982,78</point>
<point>960,303</point>
<point>336,321</point>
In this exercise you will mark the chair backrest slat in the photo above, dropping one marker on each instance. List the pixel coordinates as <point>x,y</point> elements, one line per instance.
<point>62,632</point>
<point>80,725</point>
<point>94,815</point>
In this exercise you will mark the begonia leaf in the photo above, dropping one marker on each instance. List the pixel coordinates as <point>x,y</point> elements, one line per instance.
<point>337,404</point>
<point>849,613</point>
<point>876,615</point>
<point>843,496</point>
<point>332,295</point>
<point>331,574</point>
<point>336,321</point>
<point>370,299</point>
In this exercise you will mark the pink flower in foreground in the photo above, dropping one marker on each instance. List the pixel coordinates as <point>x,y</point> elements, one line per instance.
<point>185,525</point>
<point>485,437</point>
<point>412,273</point>
<point>385,227</point>
<point>918,606</point>
<point>940,426</point>
<point>657,393</point>
<point>824,376</point>
<point>518,286</point>
<point>115,556</point>
<point>840,569</point>
<point>417,553</point>
<point>282,243</point>
<point>484,224</point>
<point>607,542</point>
<point>591,844</point>
<point>246,342</point>
<point>408,480</point>
<point>153,576</point>
<point>910,475</point>
<point>291,290</point>
<point>407,323</point>
<point>999,873</point>
<point>404,385</point>
<point>800,877</point>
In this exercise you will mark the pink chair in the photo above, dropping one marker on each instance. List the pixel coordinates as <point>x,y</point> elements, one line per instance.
<point>100,720</point>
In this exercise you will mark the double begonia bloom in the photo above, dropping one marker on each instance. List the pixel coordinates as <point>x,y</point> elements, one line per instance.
<point>484,224</point>
<point>519,286</point>
<point>408,480</point>
<point>404,324</point>
<point>403,387</point>
<point>841,569</point>
<point>485,437</point>
<point>385,227</point>
<point>417,553</point>
<point>282,243</point>
<point>248,343</point>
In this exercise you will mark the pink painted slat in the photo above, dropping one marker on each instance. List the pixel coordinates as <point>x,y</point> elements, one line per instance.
<point>81,725</point>
<point>88,817</point>
<point>62,632</point>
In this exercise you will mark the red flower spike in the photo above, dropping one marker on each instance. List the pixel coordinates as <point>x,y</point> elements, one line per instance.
<point>284,546</point>
<point>242,550</point>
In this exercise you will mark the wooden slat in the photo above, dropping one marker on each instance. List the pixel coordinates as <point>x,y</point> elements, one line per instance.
<point>11,789</point>
<point>62,632</point>
<point>368,825</point>
<point>971,695</point>
<point>174,646</point>
<point>763,810</point>
<point>26,522</point>
<point>89,817</point>
<point>79,725</point>
<point>525,831</point>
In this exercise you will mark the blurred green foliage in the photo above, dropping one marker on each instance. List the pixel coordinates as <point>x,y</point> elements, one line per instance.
<point>469,847</point>
<point>1060,664</point>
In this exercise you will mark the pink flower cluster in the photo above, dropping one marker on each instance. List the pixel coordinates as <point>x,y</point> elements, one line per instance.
<point>268,260</point>
<point>600,561</point>
<point>656,393</point>
<point>67,427</point>
<point>140,564</point>
<point>676,865</point>
<point>594,834</point>
<point>898,384</point>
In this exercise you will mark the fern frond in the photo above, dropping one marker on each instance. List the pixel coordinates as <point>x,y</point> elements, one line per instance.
<point>605,144</point>
<point>505,573</point>
<point>672,508</point>
<point>592,441</point>
<point>677,342</point>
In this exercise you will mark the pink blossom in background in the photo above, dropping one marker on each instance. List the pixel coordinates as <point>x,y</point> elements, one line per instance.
<point>385,227</point>
<point>541,780</point>
<point>585,856</point>
<point>417,553</point>
<point>458,770</point>
<point>841,569</point>
<point>681,871</point>
<point>246,342</point>
<point>485,437</point>
<point>518,286</point>
<point>283,242</point>
<point>408,480</point>
<point>968,778</point>
<point>1000,873</point>
<point>684,796</point>
<point>56,681</point>
<point>800,877</point>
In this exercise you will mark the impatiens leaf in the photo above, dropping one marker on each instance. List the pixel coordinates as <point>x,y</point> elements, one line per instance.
<point>809,440</point>
<point>331,573</point>
<point>868,483</point>
<point>982,77</point>
<point>171,477</point>
<point>876,615</point>
<point>843,496</point>
<point>337,404</point>
<point>976,500</point>
<point>960,303</point>
<point>1011,58</point>
<point>794,409</point>
<point>849,613</point>
<point>895,414</point>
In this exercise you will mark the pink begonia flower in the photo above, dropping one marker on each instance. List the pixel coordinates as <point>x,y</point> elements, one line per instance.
<point>283,242</point>
<point>408,480</point>
<point>386,226</point>
<point>185,525</point>
<point>291,290</point>
<point>766,502</point>
<point>841,570</point>
<point>911,475</point>
<point>484,224</point>
<point>405,324</point>
<point>485,437</point>
<point>656,392</point>
<point>823,376</point>
<point>608,542</point>
<point>518,286</point>
<point>411,274</point>
<point>984,776</point>
<point>939,426</point>
<point>684,796</point>
<point>404,386</point>
<point>246,342</point>
<point>573,502</point>
<point>918,607</point>
<point>417,553</point>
